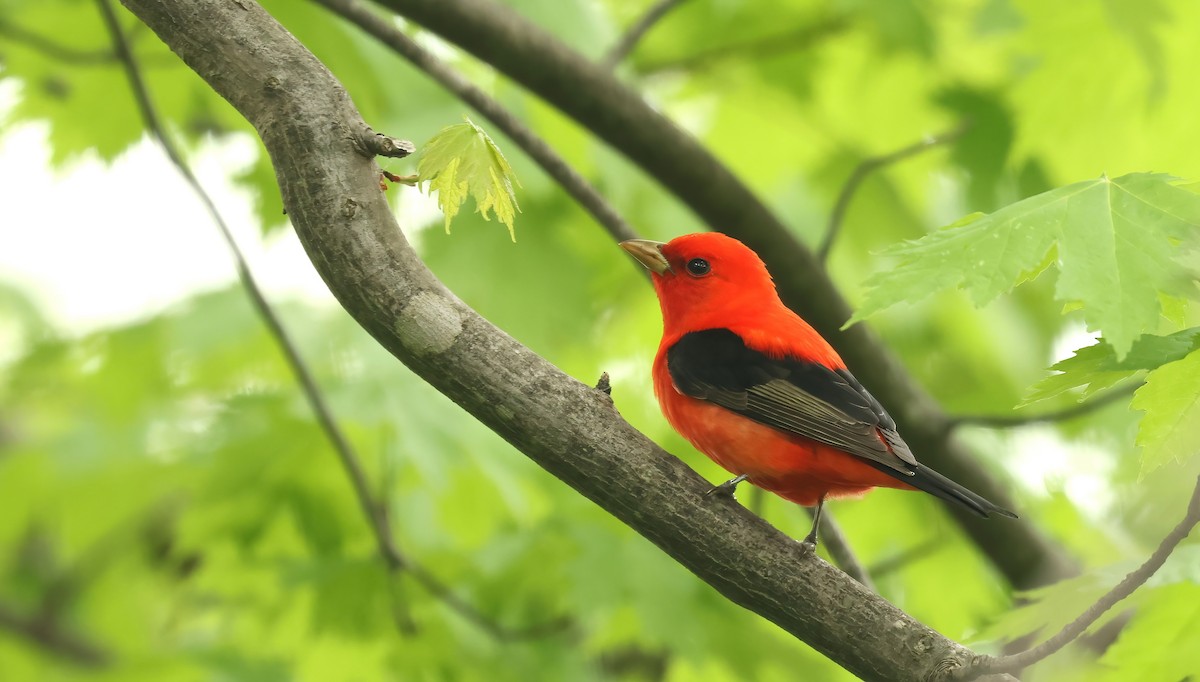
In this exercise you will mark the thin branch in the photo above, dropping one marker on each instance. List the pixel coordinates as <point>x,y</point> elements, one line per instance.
<point>64,52</point>
<point>48,634</point>
<point>625,45</point>
<point>376,513</point>
<point>889,565</point>
<point>864,169</point>
<point>1066,413</point>
<point>1127,586</point>
<point>834,541</point>
<point>446,595</point>
<point>795,40</point>
<point>49,47</point>
<point>555,166</point>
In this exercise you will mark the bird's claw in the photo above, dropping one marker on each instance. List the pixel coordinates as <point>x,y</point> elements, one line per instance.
<point>808,546</point>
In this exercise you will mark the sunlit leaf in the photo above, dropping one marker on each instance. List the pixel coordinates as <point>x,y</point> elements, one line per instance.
<point>1171,401</point>
<point>463,161</point>
<point>1097,367</point>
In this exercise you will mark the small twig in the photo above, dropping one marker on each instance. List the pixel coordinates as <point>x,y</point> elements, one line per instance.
<point>625,45</point>
<point>891,564</point>
<point>372,144</point>
<point>834,541</point>
<point>604,385</point>
<point>792,41</point>
<point>864,169</point>
<point>575,184</point>
<point>443,593</point>
<point>51,48</point>
<point>48,634</point>
<point>375,512</point>
<point>1011,420</point>
<point>1075,628</point>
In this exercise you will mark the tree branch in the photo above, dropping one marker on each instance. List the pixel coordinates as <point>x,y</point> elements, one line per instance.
<point>597,100</point>
<point>625,45</point>
<point>555,166</point>
<point>368,144</point>
<point>1127,586</point>
<point>1065,414</point>
<point>864,169</point>
<point>304,116</point>
<point>800,38</point>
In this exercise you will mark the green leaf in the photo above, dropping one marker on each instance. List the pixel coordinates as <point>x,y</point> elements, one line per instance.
<point>462,160</point>
<point>1097,367</point>
<point>1117,242</point>
<point>1171,401</point>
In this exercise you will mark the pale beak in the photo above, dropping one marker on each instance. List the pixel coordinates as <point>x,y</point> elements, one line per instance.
<point>648,253</point>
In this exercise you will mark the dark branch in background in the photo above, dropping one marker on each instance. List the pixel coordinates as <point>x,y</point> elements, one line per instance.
<point>48,634</point>
<point>49,47</point>
<point>618,115</point>
<point>889,565</point>
<point>62,52</point>
<point>555,166</point>
<point>864,169</point>
<point>331,193</point>
<point>639,28</point>
<point>370,144</point>
<point>1067,413</point>
<point>1127,586</point>
<point>800,38</point>
<point>834,541</point>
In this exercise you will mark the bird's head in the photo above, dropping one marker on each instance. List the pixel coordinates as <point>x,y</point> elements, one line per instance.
<point>704,276</point>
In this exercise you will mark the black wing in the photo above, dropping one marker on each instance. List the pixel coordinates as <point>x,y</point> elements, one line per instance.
<point>807,399</point>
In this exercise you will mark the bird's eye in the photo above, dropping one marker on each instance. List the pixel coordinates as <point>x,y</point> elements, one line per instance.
<point>698,267</point>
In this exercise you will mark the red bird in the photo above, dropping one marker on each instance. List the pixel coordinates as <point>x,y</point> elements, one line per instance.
<point>758,390</point>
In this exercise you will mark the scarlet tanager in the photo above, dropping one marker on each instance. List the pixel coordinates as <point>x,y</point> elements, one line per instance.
<point>754,387</point>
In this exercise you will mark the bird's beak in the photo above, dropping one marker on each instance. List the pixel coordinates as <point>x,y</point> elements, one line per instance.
<point>648,253</point>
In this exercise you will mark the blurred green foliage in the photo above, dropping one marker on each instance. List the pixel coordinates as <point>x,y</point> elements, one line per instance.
<point>166,494</point>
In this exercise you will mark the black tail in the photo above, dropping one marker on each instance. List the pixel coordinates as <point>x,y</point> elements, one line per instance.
<point>924,478</point>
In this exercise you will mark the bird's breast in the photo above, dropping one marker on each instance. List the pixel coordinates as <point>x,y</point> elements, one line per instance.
<point>739,444</point>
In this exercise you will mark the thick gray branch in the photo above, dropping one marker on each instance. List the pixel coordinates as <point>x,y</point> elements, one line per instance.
<point>596,99</point>
<point>308,125</point>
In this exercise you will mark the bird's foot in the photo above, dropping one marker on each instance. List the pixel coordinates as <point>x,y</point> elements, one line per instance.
<point>728,487</point>
<point>809,544</point>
